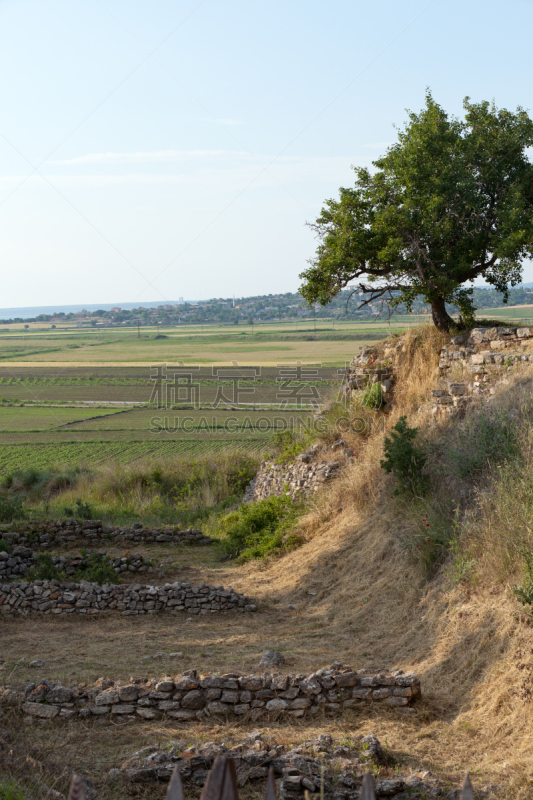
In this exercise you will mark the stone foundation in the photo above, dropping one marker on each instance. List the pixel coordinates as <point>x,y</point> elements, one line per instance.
<point>53,597</point>
<point>472,363</point>
<point>335,766</point>
<point>296,479</point>
<point>14,565</point>
<point>46,535</point>
<point>192,696</point>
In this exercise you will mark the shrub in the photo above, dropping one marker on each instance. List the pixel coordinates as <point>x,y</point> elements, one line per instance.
<point>372,396</point>
<point>403,459</point>
<point>524,593</point>
<point>5,546</point>
<point>98,569</point>
<point>289,445</point>
<point>82,510</point>
<point>44,569</point>
<point>10,509</point>
<point>259,529</point>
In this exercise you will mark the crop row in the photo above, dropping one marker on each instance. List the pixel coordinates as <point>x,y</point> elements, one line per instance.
<point>13,457</point>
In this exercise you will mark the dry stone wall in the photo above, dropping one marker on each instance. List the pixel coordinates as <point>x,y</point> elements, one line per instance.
<point>321,765</point>
<point>53,597</point>
<point>46,535</point>
<point>192,696</point>
<point>472,363</point>
<point>14,565</point>
<point>370,366</point>
<point>299,478</point>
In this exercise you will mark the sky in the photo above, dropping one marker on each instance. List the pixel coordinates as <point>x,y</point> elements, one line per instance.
<point>151,151</point>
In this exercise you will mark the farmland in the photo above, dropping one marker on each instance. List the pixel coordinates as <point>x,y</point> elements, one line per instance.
<point>79,395</point>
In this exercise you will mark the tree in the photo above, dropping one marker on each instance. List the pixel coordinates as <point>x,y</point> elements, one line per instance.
<point>451,201</point>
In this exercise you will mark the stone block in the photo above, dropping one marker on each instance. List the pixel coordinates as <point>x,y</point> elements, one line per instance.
<point>397,701</point>
<point>345,679</point>
<point>300,702</point>
<point>146,713</point>
<point>128,693</point>
<point>277,704</point>
<point>381,694</point>
<point>41,711</point>
<point>457,389</point>
<point>182,714</point>
<point>106,698</point>
<point>215,707</point>
<point>123,708</point>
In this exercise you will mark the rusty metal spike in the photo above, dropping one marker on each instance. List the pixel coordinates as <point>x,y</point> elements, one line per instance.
<point>175,788</point>
<point>270,793</point>
<point>215,780</point>
<point>229,788</point>
<point>467,792</point>
<point>367,787</point>
<point>77,788</point>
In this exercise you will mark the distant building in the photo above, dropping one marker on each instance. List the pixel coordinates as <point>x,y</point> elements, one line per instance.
<point>116,309</point>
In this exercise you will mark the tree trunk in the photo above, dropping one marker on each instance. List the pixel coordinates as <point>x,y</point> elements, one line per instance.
<point>441,318</point>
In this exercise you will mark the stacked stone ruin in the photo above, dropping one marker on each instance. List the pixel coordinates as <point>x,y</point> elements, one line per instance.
<point>333,768</point>
<point>192,696</point>
<point>62,598</point>
<point>64,532</point>
<point>15,564</point>
<point>368,367</point>
<point>302,477</point>
<point>471,364</point>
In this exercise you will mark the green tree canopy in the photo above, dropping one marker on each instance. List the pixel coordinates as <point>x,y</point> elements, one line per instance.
<point>451,201</point>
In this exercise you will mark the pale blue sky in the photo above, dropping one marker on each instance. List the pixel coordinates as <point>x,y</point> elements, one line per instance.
<point>181,146</point>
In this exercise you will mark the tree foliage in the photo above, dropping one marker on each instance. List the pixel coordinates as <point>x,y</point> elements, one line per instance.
<point>451,201</point>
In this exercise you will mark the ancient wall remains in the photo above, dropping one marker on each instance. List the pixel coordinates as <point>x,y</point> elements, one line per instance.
<point>192,696</point>
<point>299,478</point>
<point>53,597</point>
<point>45,535</point>
<point>472,363</point>
<point>15,565</point>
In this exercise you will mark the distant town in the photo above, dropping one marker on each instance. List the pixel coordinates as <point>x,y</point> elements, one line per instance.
<point>255,310</point>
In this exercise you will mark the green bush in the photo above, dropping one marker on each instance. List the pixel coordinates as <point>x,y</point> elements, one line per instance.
<point>45,569</point>
<point>82,510</point>
<point>372,396</point>
<point>256,530</point>
<point>10,509</point>
<point>289,445</point>
<point>524,593</point>
<point>97,569</point>
<point>404,460</point>
<point>9,790</point>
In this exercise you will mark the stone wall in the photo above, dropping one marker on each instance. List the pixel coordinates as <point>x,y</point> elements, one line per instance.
<point>472,363</point>
<point>372,365</point>
<point>53,597</point>
<point>299,478</point>
<point>46,535</point>
<point>14,565</point>
<point>335,767</point>
<point>192,696</point>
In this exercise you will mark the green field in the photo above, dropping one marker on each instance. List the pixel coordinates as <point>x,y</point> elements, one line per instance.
<point>43,456</point>
<point>55,384</point>
<point>29,419</point>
